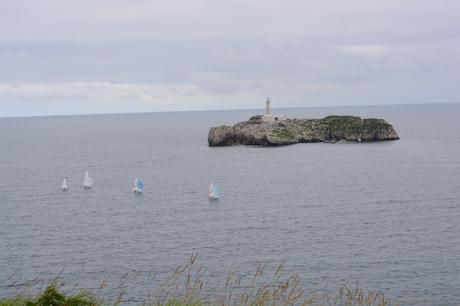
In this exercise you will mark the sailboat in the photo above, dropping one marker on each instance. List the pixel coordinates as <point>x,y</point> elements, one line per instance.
<point>64,185</point>
<point>87,181</point>
<point>214,191</point>
<point>138,186</point>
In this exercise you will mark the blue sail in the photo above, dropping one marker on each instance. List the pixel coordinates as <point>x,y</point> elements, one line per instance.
<point>216,190</point>
<point>140,184</point>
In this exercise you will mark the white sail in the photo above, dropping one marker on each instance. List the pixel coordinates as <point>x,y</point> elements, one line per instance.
<point>64,185</point>
<point>87,181</point>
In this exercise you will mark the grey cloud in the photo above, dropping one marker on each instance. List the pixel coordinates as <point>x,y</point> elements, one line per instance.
<point>306,52</point>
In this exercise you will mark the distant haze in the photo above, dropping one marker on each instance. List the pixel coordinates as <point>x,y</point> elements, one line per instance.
<point>70,57</point>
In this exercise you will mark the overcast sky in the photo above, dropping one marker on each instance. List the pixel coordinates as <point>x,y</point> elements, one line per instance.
<point>89,56</point>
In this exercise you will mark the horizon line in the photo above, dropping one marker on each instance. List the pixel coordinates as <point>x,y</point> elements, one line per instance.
<point>218,110</point>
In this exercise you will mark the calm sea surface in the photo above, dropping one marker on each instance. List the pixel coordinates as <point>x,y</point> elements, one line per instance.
<point>384,215</point>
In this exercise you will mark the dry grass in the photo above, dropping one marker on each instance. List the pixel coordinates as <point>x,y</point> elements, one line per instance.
<point>188,286</point>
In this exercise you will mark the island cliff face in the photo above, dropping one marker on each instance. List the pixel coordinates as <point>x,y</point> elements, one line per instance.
<point>257,131</point>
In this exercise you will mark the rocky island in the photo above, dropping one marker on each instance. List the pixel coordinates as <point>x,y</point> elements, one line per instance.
<point>271,130</point>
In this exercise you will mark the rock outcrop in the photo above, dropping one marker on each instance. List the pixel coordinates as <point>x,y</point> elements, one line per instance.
<point>256,131</point>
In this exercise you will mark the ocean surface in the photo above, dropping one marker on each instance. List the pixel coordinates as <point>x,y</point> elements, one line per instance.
<point>384,215</point>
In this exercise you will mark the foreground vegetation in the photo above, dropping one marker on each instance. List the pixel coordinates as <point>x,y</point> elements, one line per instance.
<point>52,296</point>
<point>186,287</point>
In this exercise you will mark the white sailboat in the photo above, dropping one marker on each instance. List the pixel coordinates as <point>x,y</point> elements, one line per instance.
<point>138,186</point>
<point>64,186</point>
<point>214,191</point>
<point>87,181</point>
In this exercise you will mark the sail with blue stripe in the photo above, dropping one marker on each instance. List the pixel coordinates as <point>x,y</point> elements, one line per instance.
<point>214,191</point>
<point>138,186</point>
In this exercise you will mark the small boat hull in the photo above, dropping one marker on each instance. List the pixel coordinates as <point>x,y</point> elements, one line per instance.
<point>136,190</point>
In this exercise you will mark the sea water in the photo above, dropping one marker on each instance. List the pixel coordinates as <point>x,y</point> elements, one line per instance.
<point>383,215</point>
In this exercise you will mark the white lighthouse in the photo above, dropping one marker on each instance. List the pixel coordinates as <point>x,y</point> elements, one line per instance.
<point>268,107</point>
<point>268,117</point>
